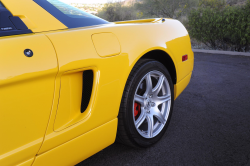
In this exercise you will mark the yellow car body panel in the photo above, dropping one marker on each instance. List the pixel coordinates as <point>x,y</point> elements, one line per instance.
<point>106,44</point>
<point>80,147</point>
<point>27,163</point>
<point>40,118</point>
<point>26,95</point>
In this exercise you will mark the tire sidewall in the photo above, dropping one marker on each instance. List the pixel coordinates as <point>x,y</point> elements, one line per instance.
<point>139,74</point>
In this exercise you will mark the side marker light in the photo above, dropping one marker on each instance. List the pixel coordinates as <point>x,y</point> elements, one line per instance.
<point>184,58</point>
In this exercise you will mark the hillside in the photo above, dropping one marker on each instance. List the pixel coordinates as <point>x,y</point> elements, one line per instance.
<point>90,8</point>
<point>94,8</point>
<point>129,2</point>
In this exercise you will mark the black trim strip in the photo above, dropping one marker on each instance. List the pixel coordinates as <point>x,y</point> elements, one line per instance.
<point>15,32</point>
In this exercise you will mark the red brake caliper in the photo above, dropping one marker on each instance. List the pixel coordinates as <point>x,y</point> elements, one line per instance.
<point>137,110</point>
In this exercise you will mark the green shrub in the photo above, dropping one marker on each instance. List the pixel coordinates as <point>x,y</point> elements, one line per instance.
<point>117,12</point>
<point>221,26</point>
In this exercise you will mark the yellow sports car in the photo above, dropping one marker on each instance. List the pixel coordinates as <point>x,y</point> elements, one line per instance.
<point>72,83</point>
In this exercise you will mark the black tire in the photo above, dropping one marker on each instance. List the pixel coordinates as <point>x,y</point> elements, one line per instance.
<point>127,132</point>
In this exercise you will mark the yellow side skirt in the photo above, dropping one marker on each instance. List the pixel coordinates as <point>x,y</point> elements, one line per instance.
<point>80,148</point>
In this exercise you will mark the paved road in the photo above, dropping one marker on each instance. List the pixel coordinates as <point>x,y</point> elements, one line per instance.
<point>210,123</point>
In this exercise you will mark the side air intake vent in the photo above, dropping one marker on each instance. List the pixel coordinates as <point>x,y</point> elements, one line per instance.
<point>87,86</point>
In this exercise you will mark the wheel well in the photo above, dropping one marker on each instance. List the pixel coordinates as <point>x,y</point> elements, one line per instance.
<point>165,59</point>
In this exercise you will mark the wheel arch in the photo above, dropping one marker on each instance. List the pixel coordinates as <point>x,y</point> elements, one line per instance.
<point>157,53</point>
<point>164,58</point>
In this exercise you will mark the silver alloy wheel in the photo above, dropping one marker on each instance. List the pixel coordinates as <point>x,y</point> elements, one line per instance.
<point>153,94</point>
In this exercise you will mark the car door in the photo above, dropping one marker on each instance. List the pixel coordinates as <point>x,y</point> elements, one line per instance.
<point>88,92</point>
<point>26,95</point>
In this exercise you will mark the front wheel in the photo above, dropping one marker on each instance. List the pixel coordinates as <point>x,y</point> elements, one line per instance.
<point>146,105</point>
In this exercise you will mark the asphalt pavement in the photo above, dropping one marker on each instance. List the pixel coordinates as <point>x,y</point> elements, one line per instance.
<point>210,125</point>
